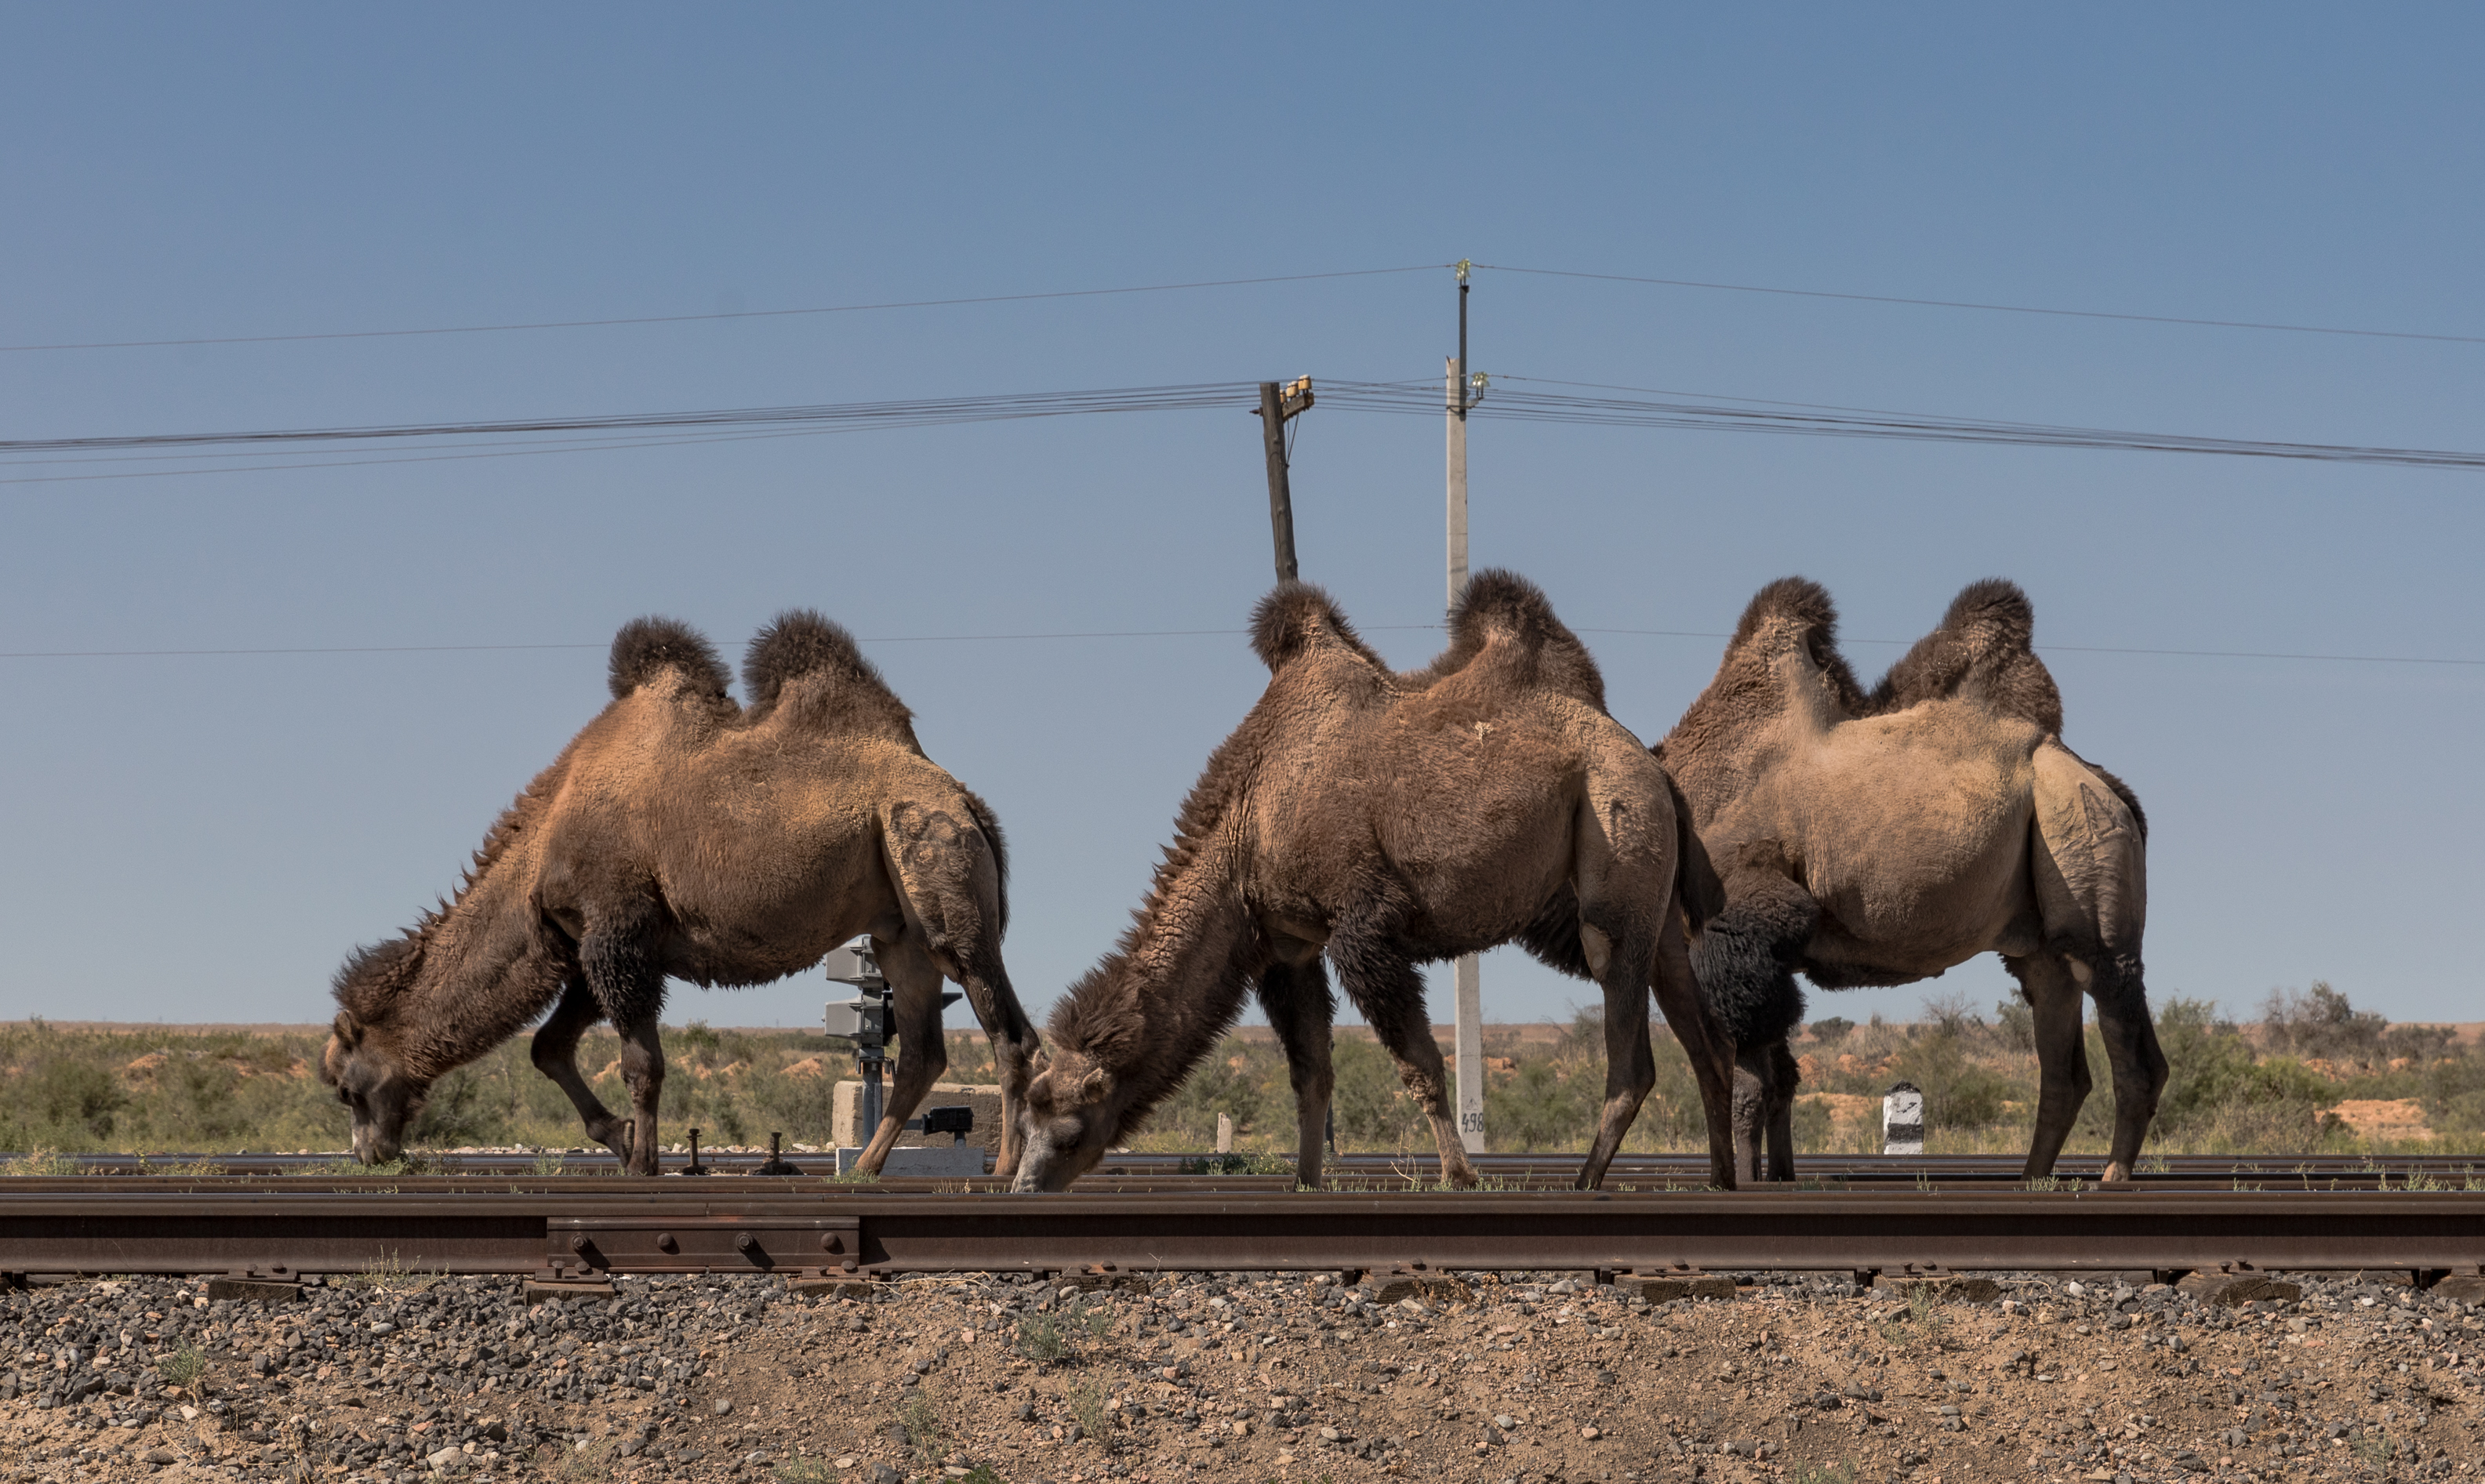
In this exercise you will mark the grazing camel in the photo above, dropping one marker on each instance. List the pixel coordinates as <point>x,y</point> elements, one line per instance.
<point>1882,839</point>
<point>681,834</point>
<point>1390,820</point>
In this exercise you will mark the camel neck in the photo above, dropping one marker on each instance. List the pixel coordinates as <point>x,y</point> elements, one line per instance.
<point>1175,984</point>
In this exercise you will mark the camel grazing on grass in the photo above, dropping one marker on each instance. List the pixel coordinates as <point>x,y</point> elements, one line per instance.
<point>1390,820</point>
<point>1882,839</point>
<point>681,834</point>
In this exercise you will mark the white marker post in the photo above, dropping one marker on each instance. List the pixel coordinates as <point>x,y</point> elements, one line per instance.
<point>1902,1120</point>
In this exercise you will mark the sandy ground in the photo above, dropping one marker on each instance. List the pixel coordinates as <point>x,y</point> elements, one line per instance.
<point>1249,1377</point>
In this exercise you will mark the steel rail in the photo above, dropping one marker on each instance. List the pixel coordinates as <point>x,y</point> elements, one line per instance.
<point>798,1229</point>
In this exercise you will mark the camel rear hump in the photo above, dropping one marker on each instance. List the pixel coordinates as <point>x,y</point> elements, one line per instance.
<point>1548,655</point>
<point>811,667</point>
<point>1984,651</point>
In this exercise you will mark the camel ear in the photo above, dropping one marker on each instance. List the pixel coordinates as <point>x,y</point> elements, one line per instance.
<point>349,1030</point>
<point>1094,1086</point>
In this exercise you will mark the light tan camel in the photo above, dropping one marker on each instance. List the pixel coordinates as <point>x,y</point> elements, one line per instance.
<point>1389,821</point>
<point>1882,839</point>
<point>682,835</point>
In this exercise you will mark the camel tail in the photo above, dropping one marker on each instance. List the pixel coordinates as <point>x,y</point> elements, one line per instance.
<point>647,647</point>
<point>991,825</point>
<point>2123,790</point>
<point>1292,618</point>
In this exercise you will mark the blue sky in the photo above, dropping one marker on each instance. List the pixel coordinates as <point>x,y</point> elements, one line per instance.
<point>203,837</point>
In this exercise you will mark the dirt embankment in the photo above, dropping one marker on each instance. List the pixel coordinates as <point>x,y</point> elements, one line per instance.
<point>1253,1378</point>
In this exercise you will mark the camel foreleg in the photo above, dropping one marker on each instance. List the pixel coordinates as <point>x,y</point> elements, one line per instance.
<point>1302,1011</point>
<point>1706,1041</point>
<point>2062,1054</point>
<point>556,1054</point>
<point>979,972</point>
<point>1746,961</point>
<point>922,1054</point>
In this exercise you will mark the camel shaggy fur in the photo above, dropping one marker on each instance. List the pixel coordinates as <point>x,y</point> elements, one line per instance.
<point>683,835</point>
<point>1881,839</point>
<point>1389,821</point>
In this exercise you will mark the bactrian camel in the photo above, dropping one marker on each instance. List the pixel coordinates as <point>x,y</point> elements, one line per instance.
<point>1389,821</point>
<point>1882,839</point>
<point>683,835</point>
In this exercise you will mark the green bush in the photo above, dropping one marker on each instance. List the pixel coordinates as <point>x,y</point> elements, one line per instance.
<point>1958,1092</point>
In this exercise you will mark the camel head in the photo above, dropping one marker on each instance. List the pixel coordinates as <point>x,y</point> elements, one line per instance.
<point>362,1065</point>
<point>1073,1112</point>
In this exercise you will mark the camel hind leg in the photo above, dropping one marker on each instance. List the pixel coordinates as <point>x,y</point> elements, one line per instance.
<point>555,1053</point>
<point>2090,865</point>
<point>2131,1050</point>
<point>922,1052</point>
<point>1302,1011</point>
<point>948,876</point>
<point>1623,964</point>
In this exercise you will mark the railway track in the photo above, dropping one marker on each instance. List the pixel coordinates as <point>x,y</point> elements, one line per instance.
<point>571,1227</point>
<point>1383,1172</point>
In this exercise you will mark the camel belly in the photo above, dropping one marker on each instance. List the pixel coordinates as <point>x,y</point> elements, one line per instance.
<point>1919,857</point>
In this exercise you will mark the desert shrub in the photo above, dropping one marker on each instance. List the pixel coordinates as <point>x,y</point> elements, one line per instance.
<point>2453,1093</point>
<point>797,1107</point>
<point>78,1099</point>
<point>1832,1030</point>
<point>1813,1126</point>
<point>2321,1022</point>
<point>461,1110</point>
<point>2208,1064</point>
<point>1246,1084</point>
<point>1372,1108</point>
<point>2014,1023</point>
<point>1959,1092</point>
<point>1672,1117</point>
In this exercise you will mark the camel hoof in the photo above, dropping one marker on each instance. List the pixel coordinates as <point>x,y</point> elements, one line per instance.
<point>2116,1173</point>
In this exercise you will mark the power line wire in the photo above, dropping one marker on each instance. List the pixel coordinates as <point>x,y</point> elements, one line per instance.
<point>1998,309</point>
<point>680,319</point>
<point>1516,405</point>
<point>1505,401</point>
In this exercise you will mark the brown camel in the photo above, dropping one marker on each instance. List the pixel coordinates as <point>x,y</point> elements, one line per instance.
<point>1882,839</point>
<point>1390,821</point>
<point>681,834</point>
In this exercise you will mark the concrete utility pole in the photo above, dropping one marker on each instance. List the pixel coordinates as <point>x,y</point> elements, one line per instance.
<point>1466,978</point>
<point>1277,406</point>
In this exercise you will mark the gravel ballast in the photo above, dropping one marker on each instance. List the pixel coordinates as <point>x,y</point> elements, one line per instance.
<point>1524,1378</point>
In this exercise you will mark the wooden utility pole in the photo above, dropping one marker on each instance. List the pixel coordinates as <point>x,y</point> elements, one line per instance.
<point>1465,977</point>
<point>1277,405</point>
